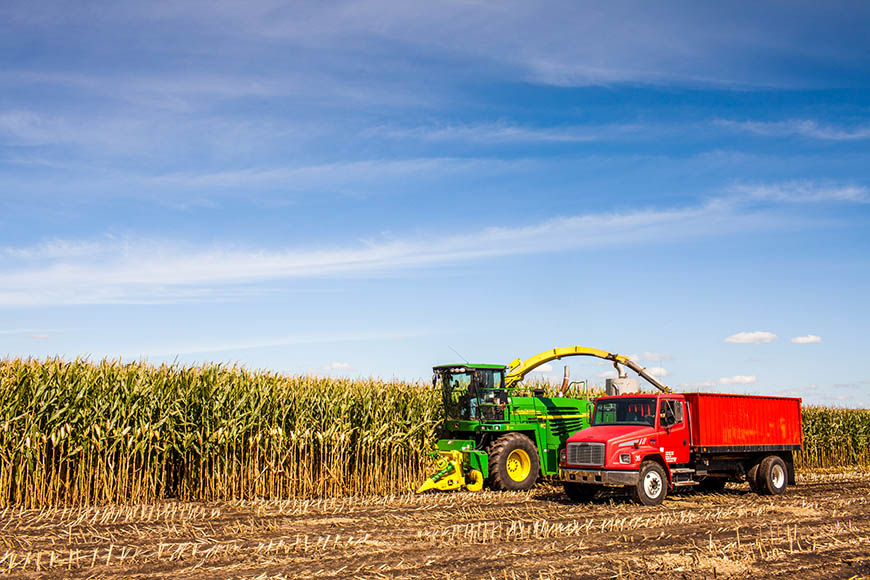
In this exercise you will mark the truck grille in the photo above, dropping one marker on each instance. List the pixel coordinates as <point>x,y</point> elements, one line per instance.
<point>586,454</point>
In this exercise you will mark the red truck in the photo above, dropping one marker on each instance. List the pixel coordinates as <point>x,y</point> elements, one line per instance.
<point>654,443</point>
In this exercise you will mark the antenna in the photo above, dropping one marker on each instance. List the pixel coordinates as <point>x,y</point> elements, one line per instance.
<point>457,354</point>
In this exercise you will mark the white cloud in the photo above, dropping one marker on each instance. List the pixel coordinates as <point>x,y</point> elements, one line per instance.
<point>27,331</point>
<point>607,375</point>
<point>338,366</point>
<point>545,368</point>
<point>735,380</point>
<point>802,127</point>
<point>657,356</point>
<point>699,385</point>
<point>808,339</point>
<point>757,337</point>
<point>658,372</point>
<point>169,350</point>
<point>738,380</point>
<point>806,192</point>
<point>141,271</point>
<point>512,133</point>
<point>332,175</point>
<point>804,391</point>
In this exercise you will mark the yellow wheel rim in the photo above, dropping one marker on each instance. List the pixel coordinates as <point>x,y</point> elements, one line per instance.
<point>519,465</point>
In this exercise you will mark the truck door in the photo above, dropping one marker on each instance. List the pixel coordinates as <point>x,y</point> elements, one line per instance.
<point>673,430</point>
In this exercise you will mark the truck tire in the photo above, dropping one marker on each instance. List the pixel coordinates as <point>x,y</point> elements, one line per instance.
<point>772,476</point>
<point>752,477</point>
<point>580,492</point>
<point>652,484</point>
<point>513,463</point>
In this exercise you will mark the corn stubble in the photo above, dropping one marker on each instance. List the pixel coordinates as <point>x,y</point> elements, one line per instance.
<point>79,432</point>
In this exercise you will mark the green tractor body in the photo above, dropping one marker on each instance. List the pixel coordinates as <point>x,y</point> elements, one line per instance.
<point>495,434</point>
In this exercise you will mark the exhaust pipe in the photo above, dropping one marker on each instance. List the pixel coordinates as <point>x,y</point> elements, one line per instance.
<point>565,381</point>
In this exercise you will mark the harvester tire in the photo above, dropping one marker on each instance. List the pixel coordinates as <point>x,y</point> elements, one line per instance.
<point>772,476</point>
<point>652,484</point>
<point>513,463</point>
<point>580,492</point>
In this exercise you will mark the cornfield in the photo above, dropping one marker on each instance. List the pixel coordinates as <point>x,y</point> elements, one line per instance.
<point>835,437</point>
<point>77,432</point>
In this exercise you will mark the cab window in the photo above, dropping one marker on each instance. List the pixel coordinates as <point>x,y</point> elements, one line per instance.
<point>671,412</point>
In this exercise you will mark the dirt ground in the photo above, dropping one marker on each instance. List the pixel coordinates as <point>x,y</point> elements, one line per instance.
<point>818,529</point>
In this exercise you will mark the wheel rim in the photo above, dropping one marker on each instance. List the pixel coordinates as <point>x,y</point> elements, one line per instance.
<point>519,465</point>
<point>652,484</point>
<point>777,476</point>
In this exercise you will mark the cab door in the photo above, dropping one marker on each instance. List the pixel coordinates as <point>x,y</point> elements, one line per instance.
<point>673,430</point>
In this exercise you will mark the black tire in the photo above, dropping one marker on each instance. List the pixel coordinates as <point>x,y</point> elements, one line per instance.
<point>507,456</point>
<point>580,492</point>
<point>752,477</point>
<point>712,484</point>
<point>772,476</point>
<point>652,484</point>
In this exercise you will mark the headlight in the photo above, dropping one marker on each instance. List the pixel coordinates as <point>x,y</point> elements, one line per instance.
<point>625,458</point>
<point>563,457</point>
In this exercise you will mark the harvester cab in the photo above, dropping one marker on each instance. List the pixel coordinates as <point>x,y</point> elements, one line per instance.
<point>495,434</point>
<point>472,392</point>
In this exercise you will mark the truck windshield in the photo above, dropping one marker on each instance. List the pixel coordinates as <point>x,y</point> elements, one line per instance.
<point>633,411</point>
<point>472,394</point>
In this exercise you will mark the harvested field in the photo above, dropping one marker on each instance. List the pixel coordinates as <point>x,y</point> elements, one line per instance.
<point>819,529</point>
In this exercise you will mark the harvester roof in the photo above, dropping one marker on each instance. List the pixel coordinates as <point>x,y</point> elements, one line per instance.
<point>468,366</point>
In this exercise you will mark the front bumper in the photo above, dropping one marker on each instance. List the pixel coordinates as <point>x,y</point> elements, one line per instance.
<point>598,476</point>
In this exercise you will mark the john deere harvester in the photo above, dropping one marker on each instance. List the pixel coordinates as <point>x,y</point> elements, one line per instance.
<point>494,436</point>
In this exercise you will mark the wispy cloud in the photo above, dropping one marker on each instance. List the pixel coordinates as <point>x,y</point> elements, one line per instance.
<point>738,380</point>
<point>757,337</point>
<point>32,332</point>
<point>55,250</point>
<point>656,356</point>
<point>801,127</point>
<point>337,366</point>
<point>724,381</point>
<point>808,339</point>
<point>121,270</point>
<point>171,350</point>
<point>330,175</point>
<point>805,192</point>
<point>495,133</point>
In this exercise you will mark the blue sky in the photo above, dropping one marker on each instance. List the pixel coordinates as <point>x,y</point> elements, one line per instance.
<point>359,188</point>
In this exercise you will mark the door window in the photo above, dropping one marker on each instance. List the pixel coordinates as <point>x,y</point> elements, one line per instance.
<point>671,412</point>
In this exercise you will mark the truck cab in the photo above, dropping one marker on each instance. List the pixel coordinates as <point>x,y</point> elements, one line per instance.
<point>627,431</point>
